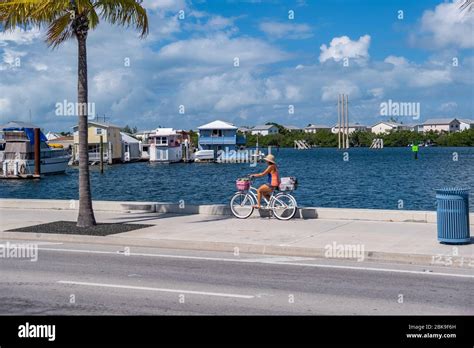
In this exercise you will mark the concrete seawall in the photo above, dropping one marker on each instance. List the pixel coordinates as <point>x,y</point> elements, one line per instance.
<point>221,209</point>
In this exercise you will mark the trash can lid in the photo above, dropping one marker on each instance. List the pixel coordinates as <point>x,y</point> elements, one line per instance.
<point>454,190</point>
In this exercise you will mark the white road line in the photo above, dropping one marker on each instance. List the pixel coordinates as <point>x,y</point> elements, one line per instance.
<point>130,287</point>
<point>268,261</point>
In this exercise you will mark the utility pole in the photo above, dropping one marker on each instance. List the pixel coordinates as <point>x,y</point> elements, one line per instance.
<point>339,121</point>
<point>343,121</point>
<point>347,121</point>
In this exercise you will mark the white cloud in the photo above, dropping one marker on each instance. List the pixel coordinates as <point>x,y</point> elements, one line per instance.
<point>343,47</point>
<point>448,106</point>
<point>168,5</point>
<point>330,92</point>
<point>428,78</point>
<point>19,36</point>
<point>397,61</point>
<point>40,66</point>
<point>208,23</point>
<point>5,107</point>
<point>220,49</point>
<point>376,92</point>
<point>447,26</point>
<point>110,81</point>
<point>281,30</point>
<point>292,93</point>
<point>222,93</point>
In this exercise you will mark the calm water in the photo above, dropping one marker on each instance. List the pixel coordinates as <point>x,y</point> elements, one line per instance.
<point>369,179</point>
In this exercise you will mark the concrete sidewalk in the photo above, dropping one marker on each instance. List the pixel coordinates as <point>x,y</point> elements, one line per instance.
<point>404,242</point>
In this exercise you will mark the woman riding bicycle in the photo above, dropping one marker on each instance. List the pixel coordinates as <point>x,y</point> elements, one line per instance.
<point>273,180</point>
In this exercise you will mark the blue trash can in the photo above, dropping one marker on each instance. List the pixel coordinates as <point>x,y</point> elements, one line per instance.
<point>453,215</point>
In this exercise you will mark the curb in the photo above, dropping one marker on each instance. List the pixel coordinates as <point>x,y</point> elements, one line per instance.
<point>387,215</point>
<point>414,259</point>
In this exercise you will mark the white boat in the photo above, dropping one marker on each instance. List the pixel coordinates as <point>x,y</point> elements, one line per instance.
<point>204,156</point>
<point>17,157</point>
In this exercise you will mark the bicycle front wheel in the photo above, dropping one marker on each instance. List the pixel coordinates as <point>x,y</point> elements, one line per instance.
<point>284,206</point>
<point>241,205</point>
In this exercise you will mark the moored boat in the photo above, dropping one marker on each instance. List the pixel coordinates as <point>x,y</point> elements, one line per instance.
<point>17,157</point>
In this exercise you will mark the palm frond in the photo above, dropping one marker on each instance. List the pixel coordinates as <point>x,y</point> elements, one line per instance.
<point>59,16</point>
<point>467,5</point>
<point>59,30</point>
<point>25,13</point>
<point>124,12</point>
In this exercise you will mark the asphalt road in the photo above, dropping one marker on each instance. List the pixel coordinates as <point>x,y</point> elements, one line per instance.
<point>70,279</point>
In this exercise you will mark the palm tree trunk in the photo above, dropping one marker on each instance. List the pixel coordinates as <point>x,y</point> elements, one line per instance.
<point>86,214</point>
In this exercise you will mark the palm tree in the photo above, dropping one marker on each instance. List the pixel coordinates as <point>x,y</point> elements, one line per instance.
<point>66,19</point>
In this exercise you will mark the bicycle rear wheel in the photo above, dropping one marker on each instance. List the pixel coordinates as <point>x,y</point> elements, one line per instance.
<point>241,205</point>
<point>283,206</point>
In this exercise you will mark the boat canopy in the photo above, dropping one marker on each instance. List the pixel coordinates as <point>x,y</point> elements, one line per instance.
<point>28,128</point>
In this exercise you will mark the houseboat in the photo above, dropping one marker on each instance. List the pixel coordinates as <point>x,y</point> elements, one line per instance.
<point>17,156</point>
<point>165,146</point>
<point>216,137</point>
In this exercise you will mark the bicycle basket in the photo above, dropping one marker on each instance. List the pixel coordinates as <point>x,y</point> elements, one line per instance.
<point>242,184</point>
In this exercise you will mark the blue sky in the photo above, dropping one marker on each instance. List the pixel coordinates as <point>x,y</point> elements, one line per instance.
<point>357,47</point>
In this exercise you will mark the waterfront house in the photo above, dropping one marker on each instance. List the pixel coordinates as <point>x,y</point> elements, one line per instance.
<point>144,135</point>
<point>441,125</point>
<point>219,135</point>
<point>265,129</point>
<point>465,124</point>
<point>291,128</point>
<point>143,138</point>
<point>416,128</point>
<point>165,146</point>
<point>111,138</point>
<point>352,128</point>
<point>130,148</point>
<point>387,127</point>
<point>313,128</point>
<point>244,130</point>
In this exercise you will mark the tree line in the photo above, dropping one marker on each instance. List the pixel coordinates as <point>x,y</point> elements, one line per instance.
<point>325,138</point>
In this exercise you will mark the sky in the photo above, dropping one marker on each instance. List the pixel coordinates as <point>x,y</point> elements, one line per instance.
<point>251,62</point>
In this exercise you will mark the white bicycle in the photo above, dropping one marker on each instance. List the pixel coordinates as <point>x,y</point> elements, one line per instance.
<point>282,204</point>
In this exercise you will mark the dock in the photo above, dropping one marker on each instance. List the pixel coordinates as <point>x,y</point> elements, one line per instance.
<point>20,176</point>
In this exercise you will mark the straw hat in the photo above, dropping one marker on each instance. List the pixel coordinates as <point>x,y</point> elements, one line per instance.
<point>270,158</point>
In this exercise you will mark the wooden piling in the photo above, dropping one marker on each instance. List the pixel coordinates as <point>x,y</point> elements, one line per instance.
<point>101,152</point>
<point>37,147</point>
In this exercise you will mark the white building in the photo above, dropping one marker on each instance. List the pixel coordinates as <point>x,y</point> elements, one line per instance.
<point>313,128</point>
<point>465,124</point>
<point>387,127</point>
<point>144,135</point>
<point>441,125</point>
<point>352,128</point>
<point>265,129</point>
<point>244,130</point>
<point>291,128</point>
<point>416,128</point>
<point>130,148</point>
<point>165,146</point>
